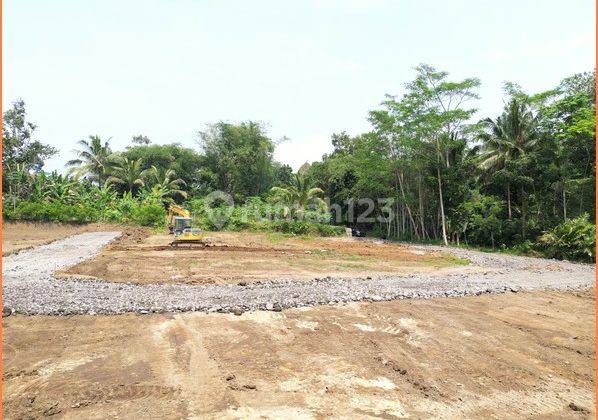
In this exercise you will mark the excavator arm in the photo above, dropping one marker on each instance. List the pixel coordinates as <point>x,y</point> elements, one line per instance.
<point>174,210</point>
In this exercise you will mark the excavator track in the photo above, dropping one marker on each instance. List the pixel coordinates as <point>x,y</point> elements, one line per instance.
<point>188,244</point>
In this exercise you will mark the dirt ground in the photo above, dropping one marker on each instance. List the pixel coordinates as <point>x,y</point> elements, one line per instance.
<point>17,236</point>
<point>501,356</point>
<point>244,256</point>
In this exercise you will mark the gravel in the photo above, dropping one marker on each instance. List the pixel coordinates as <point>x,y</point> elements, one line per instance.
<point>29,287</point>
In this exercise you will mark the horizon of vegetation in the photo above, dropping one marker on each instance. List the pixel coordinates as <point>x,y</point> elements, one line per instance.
<point>524,179</point>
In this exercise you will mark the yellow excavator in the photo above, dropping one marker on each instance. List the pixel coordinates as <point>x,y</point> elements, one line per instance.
<point>179,225</point>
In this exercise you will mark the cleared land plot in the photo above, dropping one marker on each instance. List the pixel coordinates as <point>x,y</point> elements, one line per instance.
<point>30,288</point>
<point>492,356</point>
<point>17,236</point>
<point>243,256</point>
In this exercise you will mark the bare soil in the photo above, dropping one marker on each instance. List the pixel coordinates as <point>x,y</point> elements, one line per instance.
<point>231,257</point>
<point>494,356</point>
<point>17,236</point>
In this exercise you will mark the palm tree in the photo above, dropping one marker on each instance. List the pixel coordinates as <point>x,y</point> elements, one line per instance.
<point>127,173</point>
<point>92,160</point>
<point>165,184</point>
<point>299,195</point>
<point>507,139</point>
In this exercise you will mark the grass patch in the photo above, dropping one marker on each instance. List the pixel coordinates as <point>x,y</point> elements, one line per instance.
<point>454,260</point>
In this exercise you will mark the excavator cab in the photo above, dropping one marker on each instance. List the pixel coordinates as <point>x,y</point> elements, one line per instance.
<point>180,224</point>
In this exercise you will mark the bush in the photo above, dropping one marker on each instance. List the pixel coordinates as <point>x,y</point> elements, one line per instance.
<point>297,227</point>
<point>153,215</point>
<point>292,226</point>
<point>50,212</point>
<point>573,240</point>
<point>330,230</point>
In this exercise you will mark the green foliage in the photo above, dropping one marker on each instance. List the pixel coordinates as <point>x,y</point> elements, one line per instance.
<point>186,163</point>
<point>258,215</point>
<point>148,214</point>
<point>574,239</point>
<point>479,219</point>
<point>165,185</point>
<point>500,182</point>
<point>18,145</point>
<point>238,158</point>
<point>122,211</point>
<point>299,197</point>
<point>297,227</point>
<point>22,155</point>
<point>51,212</point>
<point>126,174</point>
<point>93,158</point>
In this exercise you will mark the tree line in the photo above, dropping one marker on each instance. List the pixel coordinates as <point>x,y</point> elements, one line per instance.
<point>498,181</point>
<point>433,168</point>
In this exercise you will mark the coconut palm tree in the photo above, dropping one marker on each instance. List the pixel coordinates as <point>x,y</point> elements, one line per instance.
<point>167,181</point>
<point>126,173</point>
<point>508,138</point>
<point>511,135</point>
<point>92,160</point>
<point>299,196</point>
<point>165,187</point>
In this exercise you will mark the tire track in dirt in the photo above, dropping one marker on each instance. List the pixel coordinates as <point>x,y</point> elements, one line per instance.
<point>185,364</point>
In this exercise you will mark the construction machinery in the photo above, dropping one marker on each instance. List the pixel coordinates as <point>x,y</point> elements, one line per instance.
<point>179,225</point>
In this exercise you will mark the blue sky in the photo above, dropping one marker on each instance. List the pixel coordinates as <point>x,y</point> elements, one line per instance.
<point>305,68</point>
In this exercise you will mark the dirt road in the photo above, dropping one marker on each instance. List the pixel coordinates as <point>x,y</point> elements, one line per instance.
<point>17,236</point>
<point>493,356</point>
<point>29,287</point>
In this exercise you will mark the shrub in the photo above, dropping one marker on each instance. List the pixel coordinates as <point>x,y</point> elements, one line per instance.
<point>330,230</point>
<point>148,215</point>
<point>573,239</point>
<point>301,227</point>
<point>51,212</point>
<point>294,227</point>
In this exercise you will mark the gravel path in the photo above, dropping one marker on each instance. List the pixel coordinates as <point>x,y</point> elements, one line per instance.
<point>29,287</point>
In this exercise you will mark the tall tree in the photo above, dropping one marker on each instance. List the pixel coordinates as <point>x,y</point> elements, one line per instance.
<point>127,174</point>
<point>432,112</point>
<point>22,154</point>
<point>239,156</point>
<point>298,196</point>
<point>140,140</point>
<point>506,140</point>
<point>443,115</point>
<point>92,160</point>
<point>166,183</point>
